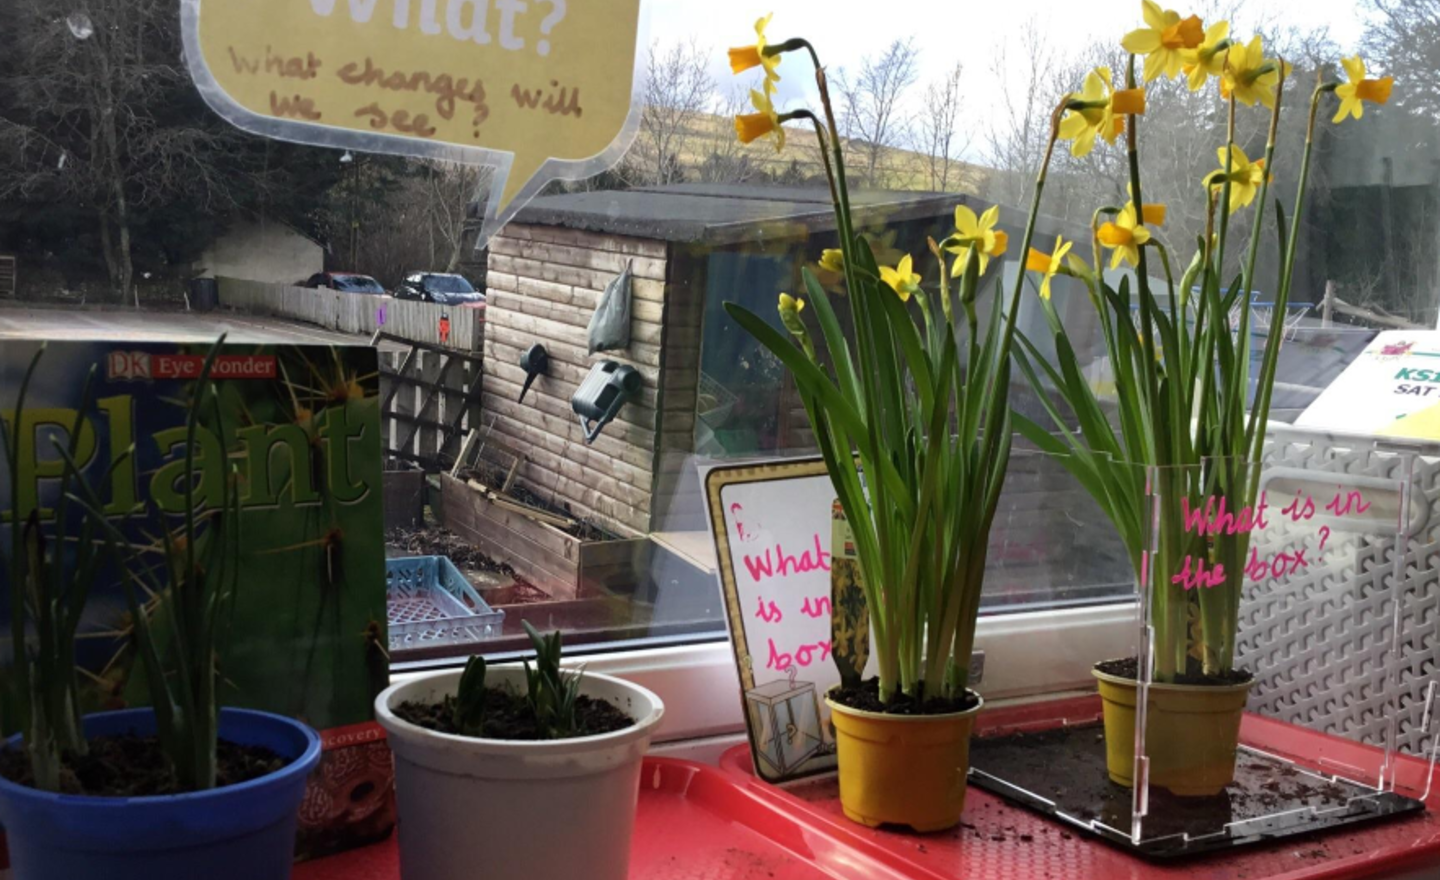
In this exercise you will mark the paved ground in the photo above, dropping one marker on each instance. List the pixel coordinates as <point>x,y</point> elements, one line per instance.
<point>157,326</point>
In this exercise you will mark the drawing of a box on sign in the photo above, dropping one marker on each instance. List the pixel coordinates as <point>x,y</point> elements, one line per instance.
<point>786,717</point>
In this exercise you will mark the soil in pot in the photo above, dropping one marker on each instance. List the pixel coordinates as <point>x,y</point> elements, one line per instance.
<point>1129,668</point>
<point>866,698</point>
<point>508,716</point>
<point>135,766</point>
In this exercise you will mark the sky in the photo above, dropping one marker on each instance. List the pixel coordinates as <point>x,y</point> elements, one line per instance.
<point>846,31</point>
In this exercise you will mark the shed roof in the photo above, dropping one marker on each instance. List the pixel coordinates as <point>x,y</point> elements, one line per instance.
<point>725,213</point>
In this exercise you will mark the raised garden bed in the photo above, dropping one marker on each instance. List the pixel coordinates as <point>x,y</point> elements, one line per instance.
<point>581,562</point>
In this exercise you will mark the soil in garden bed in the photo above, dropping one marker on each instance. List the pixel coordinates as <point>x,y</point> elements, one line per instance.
<point>494,478</point>
<point>866,698</point>
<point>508,716</point>
<point>1066,767</point>
<point>1129,668</point>
<point>134,766</point>
<point>484,573</point>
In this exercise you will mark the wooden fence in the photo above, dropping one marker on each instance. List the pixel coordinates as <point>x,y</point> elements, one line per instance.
<point>430,398</point>
<point>359,313</point>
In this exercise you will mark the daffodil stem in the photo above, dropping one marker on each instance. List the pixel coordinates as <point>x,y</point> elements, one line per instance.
<point>1260,414</point>
<point>824,151</point>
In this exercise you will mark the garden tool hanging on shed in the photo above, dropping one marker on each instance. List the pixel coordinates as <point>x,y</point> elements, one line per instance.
<point>598,399</point>
<point>535,362</point>
<point>610,325</point>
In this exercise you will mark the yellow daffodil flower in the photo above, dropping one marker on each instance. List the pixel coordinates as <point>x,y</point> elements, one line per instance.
<point>1246,177</point>
<point>1048,265</point>
<point>751,126</point>
<point>1103,112</point>
<point>1249,75</point>
<point>1125,235</point>
<point>832,260</point>
<point>744,58</point>
<point>978,233</point>
<point>1207,59</point>
<point>1358,90</point>
<point>1163,39</point>
<point>790,303</point>
<point>901,279</point>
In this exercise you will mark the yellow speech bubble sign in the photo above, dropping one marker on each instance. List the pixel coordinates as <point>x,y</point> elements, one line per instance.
<point>539,89</point>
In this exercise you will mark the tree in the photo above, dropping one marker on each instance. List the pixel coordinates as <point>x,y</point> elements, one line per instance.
<point>1403,40</point>
<point>1015,141</point>
<point>678,93</point>
<point>729,160</point>
<point>105,145</point>
<point>938,129</point>
<point>870,113</point>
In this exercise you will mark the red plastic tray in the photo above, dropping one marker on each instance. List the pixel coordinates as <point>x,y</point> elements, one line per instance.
<point>1005,842</point>
<point>701,823</point>
<point>694,823</point>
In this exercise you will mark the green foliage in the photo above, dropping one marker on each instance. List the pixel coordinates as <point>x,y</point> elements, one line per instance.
<point>49,586</point>
<point>551,692</point>
<point>468,708</point>
<point>1184,431</point>
<point>196,584</point>
<point>924,418</point>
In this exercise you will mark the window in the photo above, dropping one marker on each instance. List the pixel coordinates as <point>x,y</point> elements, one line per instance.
<point>605,535</point>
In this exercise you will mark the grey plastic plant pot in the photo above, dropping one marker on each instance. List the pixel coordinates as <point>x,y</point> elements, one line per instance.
<point>516,810</point>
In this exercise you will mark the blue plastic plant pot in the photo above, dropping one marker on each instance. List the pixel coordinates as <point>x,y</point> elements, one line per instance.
<point>239,832</point>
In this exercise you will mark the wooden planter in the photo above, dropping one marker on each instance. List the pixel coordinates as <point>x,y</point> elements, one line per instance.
<point>553,560</point>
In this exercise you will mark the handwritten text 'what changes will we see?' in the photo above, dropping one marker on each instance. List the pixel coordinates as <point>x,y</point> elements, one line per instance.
<point>535,79</point>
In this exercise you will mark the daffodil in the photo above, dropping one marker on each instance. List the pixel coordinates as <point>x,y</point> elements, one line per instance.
<point>790,308</point>
<point>1208,58</point>
<point>979,234</point>
<point>1124,235</point>
<point>1101,111</point>
<point>1245,177</point>
<point>1249,75</point>
<point>1359,90</point>
<point>751,126</point>
<point>744,58</point>
<point>832,260</point>
<point>1048,265</point>
<point>1163,40</point>
<point>901,279</point>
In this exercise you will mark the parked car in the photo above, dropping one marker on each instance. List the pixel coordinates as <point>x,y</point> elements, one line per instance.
<point>347,282</point>
<point>441,288</point>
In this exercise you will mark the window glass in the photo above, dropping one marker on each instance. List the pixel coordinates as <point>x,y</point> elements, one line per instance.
<point>567,509</point>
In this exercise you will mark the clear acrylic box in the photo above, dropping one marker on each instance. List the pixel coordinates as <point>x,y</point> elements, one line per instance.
<point>1337,623</point>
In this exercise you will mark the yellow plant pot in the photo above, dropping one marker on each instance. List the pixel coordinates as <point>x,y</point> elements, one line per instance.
<point>1191,733</point>
<point>902,769</point>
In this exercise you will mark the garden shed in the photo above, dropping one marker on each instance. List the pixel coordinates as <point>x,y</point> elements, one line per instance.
<point>708,391</point>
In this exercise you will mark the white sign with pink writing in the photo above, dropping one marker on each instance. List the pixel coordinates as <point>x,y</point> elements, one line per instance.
<point>772,529</point>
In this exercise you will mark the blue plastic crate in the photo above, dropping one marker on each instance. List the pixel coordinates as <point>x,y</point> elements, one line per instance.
<point>431,603</point>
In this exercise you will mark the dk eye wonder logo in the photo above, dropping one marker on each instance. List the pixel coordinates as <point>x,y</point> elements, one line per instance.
<point>145,366</point>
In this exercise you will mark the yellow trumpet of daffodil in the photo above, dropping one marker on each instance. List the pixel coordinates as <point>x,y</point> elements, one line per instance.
<point>977,233</point>
<point>1249,75</point>
<point>832,260</point>
<point>791,305</point>
<point>1246,177</point>
<point>1125,235</point>
<point>1208,58</point>
<point>752,126</point>
<point>1048,265</point>
<point>1163,40</point>
<point>743,58</point>
<point>1358,90</point>
<point>1102,112</point>
<point>901,279</point>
